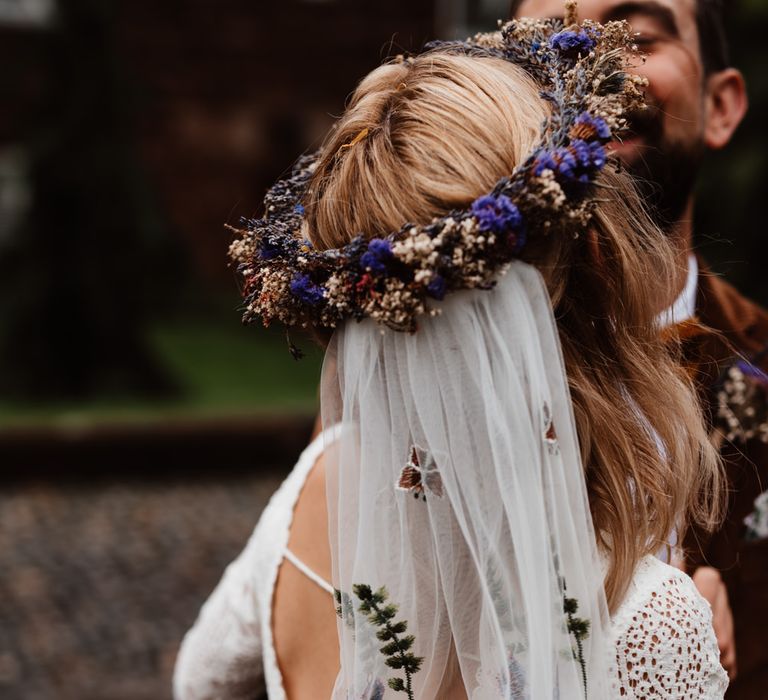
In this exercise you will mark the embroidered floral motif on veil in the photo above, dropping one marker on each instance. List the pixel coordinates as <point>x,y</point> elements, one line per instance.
<point>550,434</point>
<point>420,475</point>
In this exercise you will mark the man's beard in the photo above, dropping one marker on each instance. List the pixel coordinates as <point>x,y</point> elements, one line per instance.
<point>665,171</point>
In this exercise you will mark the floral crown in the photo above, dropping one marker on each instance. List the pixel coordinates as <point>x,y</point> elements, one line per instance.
<point>580,69</point>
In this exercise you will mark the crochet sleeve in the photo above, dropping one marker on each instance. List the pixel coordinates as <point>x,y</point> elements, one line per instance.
<point>665,643</point>
<point>221,655</point>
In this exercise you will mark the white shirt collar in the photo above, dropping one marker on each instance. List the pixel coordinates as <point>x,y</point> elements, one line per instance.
<point>684,307</point>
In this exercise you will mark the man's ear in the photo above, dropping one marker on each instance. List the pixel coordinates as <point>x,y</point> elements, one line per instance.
<point>726,104</point>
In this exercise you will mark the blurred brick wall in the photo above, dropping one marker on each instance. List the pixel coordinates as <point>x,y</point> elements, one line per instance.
<point>231,92</point>
<point>100,578</point>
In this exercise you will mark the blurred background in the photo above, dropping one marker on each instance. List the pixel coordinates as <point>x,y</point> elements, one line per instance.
<point>142,429</point>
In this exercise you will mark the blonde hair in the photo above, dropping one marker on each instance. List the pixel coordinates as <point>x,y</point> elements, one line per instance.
<point>423,137</point>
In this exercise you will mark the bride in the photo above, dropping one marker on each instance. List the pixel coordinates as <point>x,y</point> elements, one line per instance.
<point>508,436</point>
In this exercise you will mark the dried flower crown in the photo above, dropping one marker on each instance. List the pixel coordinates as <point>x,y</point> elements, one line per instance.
<point>394,279</point>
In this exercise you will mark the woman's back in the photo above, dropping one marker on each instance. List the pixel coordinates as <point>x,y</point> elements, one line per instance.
<point>303,614</point>
<point>661,644</point>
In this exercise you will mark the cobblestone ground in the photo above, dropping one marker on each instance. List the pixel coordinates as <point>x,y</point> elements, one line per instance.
<point>99,581</point>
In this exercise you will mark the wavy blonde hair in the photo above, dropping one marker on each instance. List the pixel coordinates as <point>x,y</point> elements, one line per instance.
<point>422,137</point>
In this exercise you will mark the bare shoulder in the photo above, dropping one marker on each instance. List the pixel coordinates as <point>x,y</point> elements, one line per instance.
<point>308,537</point>
<point>304,618</point>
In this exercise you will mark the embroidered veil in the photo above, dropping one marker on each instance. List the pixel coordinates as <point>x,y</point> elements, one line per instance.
<point>463,551</point>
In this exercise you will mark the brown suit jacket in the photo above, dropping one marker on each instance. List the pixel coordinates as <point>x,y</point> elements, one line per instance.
<point>742,329</point>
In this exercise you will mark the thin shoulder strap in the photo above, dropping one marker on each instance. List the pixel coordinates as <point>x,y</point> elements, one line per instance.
<point>309,573</point>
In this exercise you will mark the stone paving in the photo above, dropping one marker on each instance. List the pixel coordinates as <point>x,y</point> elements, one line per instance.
<point>100,580</point>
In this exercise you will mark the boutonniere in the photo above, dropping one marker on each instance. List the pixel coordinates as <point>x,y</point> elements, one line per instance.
<point>742,403</point>
<point>757,520</point>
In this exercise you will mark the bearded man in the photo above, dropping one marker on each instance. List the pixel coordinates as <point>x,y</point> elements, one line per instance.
<point>696,102</point>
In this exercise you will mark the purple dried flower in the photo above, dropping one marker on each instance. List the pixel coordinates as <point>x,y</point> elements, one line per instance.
<point>304,289</point>
<point>575,165</point>
<point>299,209</point>
<point>380,246</point>
<point>572,43</point>
<point>268,249</point>
<point>376,257</point>
<point>589,155</point>
<point>437,288</point>
<point>497,214</point>
<point>560,161</point>
<point>596,124</point>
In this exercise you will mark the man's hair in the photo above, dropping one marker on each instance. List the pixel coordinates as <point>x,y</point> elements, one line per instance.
<point>710,23</point>
<point>713,39</point>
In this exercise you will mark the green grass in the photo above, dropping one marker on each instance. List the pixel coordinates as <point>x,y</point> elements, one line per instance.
<point>220,369</point>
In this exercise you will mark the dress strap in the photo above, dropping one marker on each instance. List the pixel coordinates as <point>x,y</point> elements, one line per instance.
<point>309,573</point>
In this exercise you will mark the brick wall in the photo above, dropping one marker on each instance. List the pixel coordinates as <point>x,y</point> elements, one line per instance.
<point>230,92</point>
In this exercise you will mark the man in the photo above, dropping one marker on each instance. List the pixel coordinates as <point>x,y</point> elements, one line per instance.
<point>696,102</point>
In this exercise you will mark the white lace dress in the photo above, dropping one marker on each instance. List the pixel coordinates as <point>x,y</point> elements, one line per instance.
<point>664,643</point>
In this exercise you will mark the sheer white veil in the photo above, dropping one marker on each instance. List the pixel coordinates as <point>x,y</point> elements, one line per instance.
<point>463,549</point>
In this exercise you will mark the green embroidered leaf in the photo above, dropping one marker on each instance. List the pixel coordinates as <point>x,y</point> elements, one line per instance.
<point>398,645</point>
<point>570,606</point>
<point>578,628</point>
<point>362,591</point>
<point>383,615</point>
<point>390,649</point>
<point>397,649</point>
